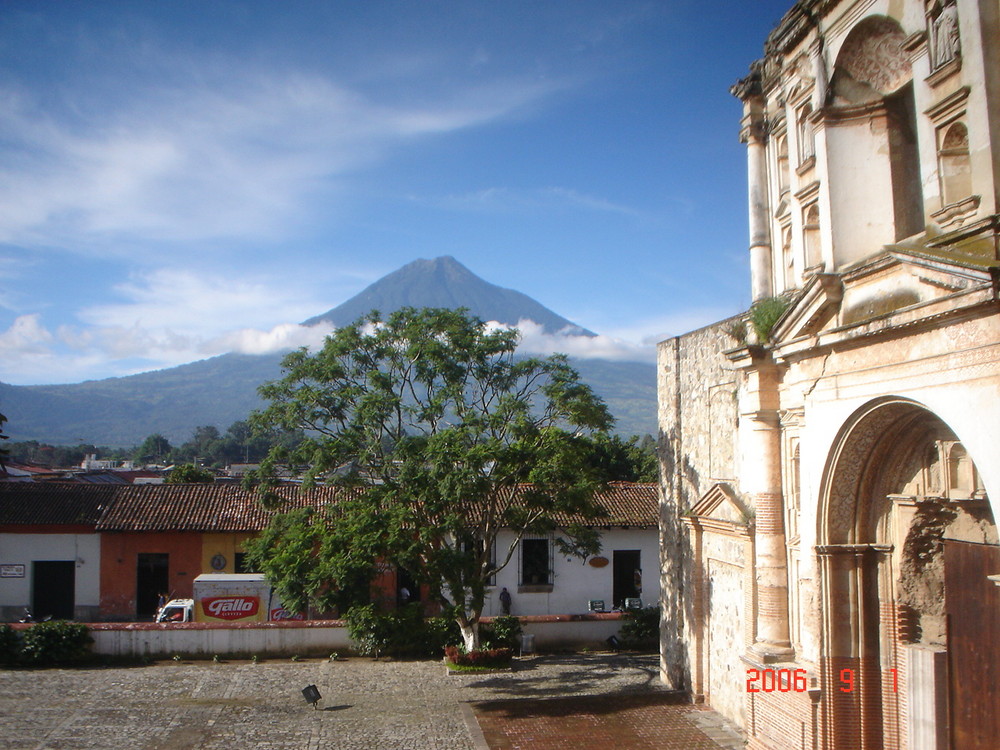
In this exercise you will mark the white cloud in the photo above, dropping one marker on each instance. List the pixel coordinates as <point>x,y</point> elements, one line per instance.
<point>650,331</point>
<point>73,354</point>
<point>232,153</point>
<point>164,318</point>
<point>507,200</point>
<point>280,338</point>
<point>535,340</point>
<point>201,302</point>
<point>637,343</point>
<point>26,336</point>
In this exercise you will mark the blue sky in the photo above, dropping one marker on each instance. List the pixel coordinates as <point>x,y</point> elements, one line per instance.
<point>181,179</point>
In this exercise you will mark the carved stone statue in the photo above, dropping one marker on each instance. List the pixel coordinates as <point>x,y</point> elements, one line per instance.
<point>945,30</point>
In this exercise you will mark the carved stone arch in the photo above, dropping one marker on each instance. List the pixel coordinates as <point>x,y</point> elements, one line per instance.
<point>850,475</point>
<point>881,570</point>
<point>872,63</point>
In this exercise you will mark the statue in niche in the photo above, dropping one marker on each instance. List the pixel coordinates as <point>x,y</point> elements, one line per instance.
<point>945,35</point>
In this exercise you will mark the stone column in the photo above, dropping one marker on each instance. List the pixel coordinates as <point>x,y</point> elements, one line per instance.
<point>754,133</point>
<point>760,481</point>
<point>761,264</point>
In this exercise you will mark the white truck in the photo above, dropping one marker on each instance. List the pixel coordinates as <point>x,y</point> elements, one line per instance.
<point>228,597</point>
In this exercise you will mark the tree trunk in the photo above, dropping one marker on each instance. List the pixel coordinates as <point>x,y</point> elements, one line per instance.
<point>470,633</point>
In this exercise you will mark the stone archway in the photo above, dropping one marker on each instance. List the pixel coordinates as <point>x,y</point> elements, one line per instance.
<point>897,484</point>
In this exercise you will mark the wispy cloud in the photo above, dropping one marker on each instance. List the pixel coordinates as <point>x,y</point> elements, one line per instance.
<point>200,301</point>
<point>535,340</point>
<point>509,200</point>
<point>650,331</point>
<point>280,338</point>
<point>162,318</point>
<point>26,337</point>
<point>235,153</point>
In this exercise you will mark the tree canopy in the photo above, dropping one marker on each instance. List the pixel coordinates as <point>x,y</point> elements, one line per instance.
<point>431,421</point>
<point>626,460</point>
<point>190,474</point>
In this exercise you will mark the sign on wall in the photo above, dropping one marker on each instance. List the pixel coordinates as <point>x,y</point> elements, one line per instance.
<point>11,571</point>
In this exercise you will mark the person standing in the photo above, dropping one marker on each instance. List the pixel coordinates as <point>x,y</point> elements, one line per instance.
<point>505,601</point>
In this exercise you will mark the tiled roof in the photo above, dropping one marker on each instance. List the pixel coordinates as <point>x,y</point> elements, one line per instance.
<point>625,504</point>
<point>197,507</point>
<point>631,504</point>
<point>229,507</point>
<point>23,503</point>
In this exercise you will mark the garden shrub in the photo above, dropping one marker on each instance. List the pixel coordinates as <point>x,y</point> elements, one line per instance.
<point>641,628</point>
<point>368,628</point>
<point>10,645</point>
<point>57,642</point>
<point>439,633</point>
<point>494,658</point>
<point>503,632</point>
<point>403,632</point>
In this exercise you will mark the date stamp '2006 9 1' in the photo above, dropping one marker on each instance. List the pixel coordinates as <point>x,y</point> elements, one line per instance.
<point>795,680</point>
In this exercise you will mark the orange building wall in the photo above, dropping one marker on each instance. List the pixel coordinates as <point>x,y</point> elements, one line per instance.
<point>119,556</point>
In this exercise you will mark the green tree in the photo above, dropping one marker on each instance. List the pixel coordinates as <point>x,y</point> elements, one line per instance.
<point>190,474</point>
<point>432,422</point>
<point>153,448</point>
<point>631,460</point>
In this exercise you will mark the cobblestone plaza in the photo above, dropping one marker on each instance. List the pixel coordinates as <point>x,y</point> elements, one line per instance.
<point>366,704</point>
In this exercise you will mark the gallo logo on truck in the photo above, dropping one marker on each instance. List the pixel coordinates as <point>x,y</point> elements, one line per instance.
<point>230,607</point>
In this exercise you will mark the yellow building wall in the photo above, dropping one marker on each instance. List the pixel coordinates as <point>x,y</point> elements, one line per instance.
<point>219,548</point>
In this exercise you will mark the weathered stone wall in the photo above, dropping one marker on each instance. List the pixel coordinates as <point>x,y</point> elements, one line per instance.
<point>697,448</point>
<point>697,411</point>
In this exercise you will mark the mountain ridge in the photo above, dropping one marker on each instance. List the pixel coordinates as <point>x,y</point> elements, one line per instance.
<point>123,411</point>
<point>444,282</point>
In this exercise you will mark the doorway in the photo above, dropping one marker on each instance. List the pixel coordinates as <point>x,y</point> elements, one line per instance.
<point>53,589</point>
<point>627,576</point>
<point>971,603</point>
<point>151,580</point>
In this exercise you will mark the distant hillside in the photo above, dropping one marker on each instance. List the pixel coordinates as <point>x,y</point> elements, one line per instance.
<point>222,390</point>
<point>123,411</point>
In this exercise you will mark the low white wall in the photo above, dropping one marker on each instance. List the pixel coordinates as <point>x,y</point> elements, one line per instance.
<point>202,639</point>
<point>318,638</point>
<point>553,635</point>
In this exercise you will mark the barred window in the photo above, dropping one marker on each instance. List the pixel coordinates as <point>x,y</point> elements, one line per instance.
<point>536,558</point>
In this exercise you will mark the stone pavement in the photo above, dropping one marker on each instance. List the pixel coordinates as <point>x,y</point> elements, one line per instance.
<point>367,705</point>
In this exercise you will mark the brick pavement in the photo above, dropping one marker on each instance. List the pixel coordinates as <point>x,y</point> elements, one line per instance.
<point>636,722</point>
<point>366,705</point>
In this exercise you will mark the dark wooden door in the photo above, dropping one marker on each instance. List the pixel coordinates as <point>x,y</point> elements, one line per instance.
<point>152,580</point>
<point>626,576</point>
<point>972,603</point>
<point>53,589</point>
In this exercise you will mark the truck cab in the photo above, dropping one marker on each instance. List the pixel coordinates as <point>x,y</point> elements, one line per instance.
<point>176,610</point>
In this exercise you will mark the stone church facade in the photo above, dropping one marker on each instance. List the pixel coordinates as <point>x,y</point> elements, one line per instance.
<point>831,473</point>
